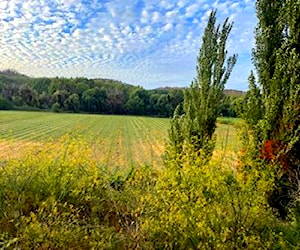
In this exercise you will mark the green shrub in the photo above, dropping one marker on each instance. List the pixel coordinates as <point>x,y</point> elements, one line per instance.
<point>55,107</point>
<point>62,200</point>
<point>5,104</point>
<point>198,206</point>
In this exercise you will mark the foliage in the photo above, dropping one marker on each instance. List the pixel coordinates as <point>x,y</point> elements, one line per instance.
<point>60,194</point>
<point>60,197</point>
<point>274,116</point>
<point>5,104</point>
<point>102,96</point>
<point>55,107</point>
<point>227,107</point>
<point>253,108</point>
<point>210,207</point>
<point>61,200</point>
<point>202,100</point>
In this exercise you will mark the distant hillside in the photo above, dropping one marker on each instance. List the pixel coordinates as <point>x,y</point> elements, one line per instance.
<point>229,92</point>
<point>234,93</point>
<point>13,77</point>
<point>100,96</point>
<point>12,73</point>
<point>111,82</point>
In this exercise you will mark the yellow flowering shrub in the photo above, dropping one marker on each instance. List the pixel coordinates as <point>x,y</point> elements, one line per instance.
<point>61,198</point>
<point>209,206</point>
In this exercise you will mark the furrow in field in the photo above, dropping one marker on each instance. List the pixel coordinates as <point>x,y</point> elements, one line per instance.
<point>158,123</point>
<point>109,136</point>
<point>114,150</point>
<point>157,147</point>
<point>28,125</point>
<point>119,152</point>
<point>142,151</point>
<point>128,141</point>
<point>116,141</point>
<point>38,130</point>
<point>63,128</point>
<point>100,137</point>
<point>22,126</point>
<point>37,133</point>
<point>11,117</point>
<point>99,126</point>
<point>86,126</point>
<point>156,140</point>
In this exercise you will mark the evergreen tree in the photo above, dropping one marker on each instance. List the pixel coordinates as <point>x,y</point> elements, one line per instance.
<point>277,60</point>
<point>253,108</point>
<point>203,99</point>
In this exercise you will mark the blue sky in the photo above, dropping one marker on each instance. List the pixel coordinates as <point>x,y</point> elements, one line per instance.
<point>152,43</point>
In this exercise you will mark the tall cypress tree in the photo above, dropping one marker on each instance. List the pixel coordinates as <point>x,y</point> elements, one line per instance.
<point>203,98</point>
<point>277,60</point>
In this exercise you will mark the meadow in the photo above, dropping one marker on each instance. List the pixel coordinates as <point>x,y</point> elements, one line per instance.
<point>117,141</point>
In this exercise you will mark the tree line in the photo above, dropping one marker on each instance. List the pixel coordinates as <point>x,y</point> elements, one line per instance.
<point>99,96</point>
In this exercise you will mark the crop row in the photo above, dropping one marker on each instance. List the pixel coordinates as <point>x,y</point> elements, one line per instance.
<point>116,140</point>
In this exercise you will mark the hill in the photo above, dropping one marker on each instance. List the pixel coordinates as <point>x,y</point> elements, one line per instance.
<point>101,96</point>
<point>234,93</point>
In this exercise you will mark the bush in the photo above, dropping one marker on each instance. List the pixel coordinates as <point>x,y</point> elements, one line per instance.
<point>198,206</point>
<point>55,107</point>
<point>61,200</point>
<point>5,104</point>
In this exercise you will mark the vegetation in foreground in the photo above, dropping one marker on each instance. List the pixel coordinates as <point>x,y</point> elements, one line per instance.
<point>64,199</point>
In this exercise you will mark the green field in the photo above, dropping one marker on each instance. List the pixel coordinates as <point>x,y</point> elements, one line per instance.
<point>115,140</point>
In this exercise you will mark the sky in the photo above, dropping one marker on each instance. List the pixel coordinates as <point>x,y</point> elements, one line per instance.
<point>151,43</point>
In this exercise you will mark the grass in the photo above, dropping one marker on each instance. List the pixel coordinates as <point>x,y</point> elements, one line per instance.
<point>115,140</point>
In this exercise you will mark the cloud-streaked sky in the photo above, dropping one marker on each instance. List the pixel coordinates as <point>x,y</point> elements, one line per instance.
<point>152,43</point>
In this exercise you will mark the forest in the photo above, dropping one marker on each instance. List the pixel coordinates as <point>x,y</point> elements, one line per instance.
<point>96,96</point>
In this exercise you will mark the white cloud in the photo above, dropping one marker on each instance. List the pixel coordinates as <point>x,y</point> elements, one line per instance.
<point>167,27</point>
<point>155,17</point>
<point>171,14</point>
<point>166,4</point>
<point>3,5</point>
<point>182,3</point>
<point>145,16</point>
<point>191,10</point>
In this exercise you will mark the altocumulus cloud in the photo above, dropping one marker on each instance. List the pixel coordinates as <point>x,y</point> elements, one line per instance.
<point>147,42</point>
